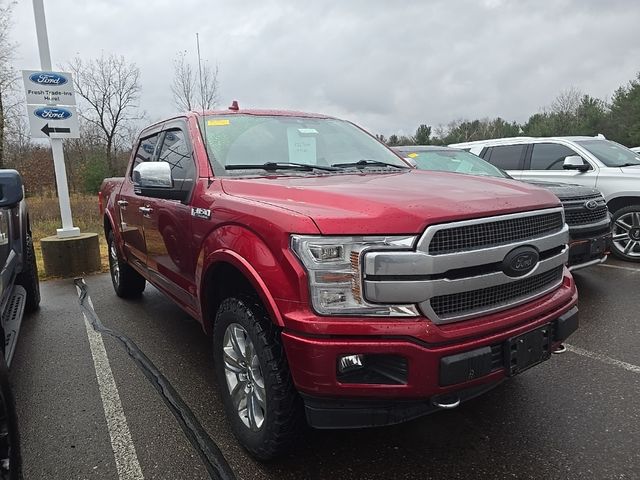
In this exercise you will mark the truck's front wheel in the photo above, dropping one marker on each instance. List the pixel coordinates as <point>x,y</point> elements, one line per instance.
<point>260,400</point>
<point>126,281</point>
<point>626,233</point>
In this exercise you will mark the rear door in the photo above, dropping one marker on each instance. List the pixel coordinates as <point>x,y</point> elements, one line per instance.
<point>507,157</point>
<point>167,225</point>
<point>545,160</point>
<point>131,206</point>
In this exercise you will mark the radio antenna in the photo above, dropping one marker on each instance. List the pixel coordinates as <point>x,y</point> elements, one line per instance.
<point>202,97</point>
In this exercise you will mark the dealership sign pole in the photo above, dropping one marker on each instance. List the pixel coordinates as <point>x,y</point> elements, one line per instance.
<point>50,120</point>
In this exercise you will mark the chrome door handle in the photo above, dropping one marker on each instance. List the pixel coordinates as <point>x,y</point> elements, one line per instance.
<point>145,210</point>
<point>122,203</point>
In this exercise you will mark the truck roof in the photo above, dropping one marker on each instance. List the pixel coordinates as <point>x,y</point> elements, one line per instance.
<point>498,141</point>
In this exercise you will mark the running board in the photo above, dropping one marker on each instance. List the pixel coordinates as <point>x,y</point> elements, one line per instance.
<point>12,320</point>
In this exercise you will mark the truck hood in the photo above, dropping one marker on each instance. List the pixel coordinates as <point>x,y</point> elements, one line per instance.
<point>565,191</point>
<point>391,203</point>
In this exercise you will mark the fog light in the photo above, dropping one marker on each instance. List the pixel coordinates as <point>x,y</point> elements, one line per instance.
<point>348,363</point>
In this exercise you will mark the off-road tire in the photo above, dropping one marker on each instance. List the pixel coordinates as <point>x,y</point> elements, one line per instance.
<point>28,277</point>
<point>615,249</point>
<point>127,283</point>
<point>10,420</point>
<point>283,420</point>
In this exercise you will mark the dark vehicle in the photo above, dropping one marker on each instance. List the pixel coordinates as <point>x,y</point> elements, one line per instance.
<point>20,294</point>
<point>585,208</point>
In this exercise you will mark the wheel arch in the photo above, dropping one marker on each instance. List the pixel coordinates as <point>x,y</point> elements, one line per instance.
<point>227,272</point>
<point>621,202</point>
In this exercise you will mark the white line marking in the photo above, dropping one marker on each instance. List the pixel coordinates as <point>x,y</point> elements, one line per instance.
<point>603,358</point>
<point>619,267</point>
<point>124,451</point>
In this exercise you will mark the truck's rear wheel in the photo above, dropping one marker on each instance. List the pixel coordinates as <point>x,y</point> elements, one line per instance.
<point>126,281</point>
<point>261,403</point>
<point>28,277</point>
<point>626,233</point>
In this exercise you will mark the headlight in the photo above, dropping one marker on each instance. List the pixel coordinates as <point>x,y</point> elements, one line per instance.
<point>333,267</point>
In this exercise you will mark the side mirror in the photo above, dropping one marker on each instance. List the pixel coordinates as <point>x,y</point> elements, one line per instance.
<point>153,179</point>
<point>11,192</point>
<point>575,162</point>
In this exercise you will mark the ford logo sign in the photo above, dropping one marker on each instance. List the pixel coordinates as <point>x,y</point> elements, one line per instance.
<point>591,205</point>
<point>47,78</point>
<point>520,261</point>
<point>52,113</point>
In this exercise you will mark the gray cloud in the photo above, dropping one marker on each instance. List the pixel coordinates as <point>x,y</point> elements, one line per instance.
<point>386,65</point>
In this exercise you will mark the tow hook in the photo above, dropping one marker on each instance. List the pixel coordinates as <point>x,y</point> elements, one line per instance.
<point>446,402</point>
<point>561,349</point>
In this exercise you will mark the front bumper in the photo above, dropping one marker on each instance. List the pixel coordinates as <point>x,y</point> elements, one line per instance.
<point>584,252</point>
<point>313,357</point>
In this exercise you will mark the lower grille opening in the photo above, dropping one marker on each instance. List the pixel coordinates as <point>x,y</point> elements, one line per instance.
<point>462,303</point>
<point>378,369</point>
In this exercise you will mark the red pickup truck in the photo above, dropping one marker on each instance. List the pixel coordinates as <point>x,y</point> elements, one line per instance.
<point>337,283</point>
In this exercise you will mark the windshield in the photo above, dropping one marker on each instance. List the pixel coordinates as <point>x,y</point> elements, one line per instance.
<point>246,140</point>
<point>450,160</point>
<point>610,153</point>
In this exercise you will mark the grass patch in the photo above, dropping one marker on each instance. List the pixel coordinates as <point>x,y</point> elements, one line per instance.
<point>44,213</point>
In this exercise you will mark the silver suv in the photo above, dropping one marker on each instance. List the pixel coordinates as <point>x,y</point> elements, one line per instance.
<point>590,161</point>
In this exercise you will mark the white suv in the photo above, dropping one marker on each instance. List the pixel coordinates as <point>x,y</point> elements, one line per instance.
<point>591,161</point>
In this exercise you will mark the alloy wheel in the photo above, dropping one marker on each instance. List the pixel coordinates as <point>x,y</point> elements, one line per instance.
<point>626,234</point>
<point>245,380</point>
<point>113,263</point>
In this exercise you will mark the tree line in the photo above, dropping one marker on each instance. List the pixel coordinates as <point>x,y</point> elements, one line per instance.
<point>572,112</point>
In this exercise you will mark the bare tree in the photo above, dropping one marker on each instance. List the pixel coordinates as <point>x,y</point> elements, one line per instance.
<point>110,86</point>
<point>188,92</point>
<point>567,102</point>
<point>7,73</point>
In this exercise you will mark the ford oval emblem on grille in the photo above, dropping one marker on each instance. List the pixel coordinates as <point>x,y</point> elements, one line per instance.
<point>591,205</point>
<point>520,261</point>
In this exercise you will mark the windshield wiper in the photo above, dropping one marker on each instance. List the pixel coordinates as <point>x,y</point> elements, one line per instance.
<point>630,164</point>
<point>367,163</point>
<point>272,166</point>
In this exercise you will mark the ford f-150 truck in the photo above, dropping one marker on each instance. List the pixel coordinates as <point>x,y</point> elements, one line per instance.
<point>338,284</point>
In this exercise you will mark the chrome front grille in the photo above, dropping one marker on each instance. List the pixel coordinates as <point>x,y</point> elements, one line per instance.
<point>465,277</point>
<point>500,232</point>
<point>490,298</point>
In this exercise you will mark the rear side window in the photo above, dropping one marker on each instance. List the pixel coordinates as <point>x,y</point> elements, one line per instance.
<point>177,153</point>
<point>506,157</point>
<point>145,150</point>
<point>549,156</point>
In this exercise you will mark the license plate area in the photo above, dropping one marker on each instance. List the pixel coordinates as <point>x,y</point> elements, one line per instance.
<point>598,246</point>
<point>528,349</point>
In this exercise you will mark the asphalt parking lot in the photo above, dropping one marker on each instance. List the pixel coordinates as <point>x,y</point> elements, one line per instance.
<point>575,416</point>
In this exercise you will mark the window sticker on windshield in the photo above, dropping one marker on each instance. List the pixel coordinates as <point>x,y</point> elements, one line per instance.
<point>308,131</point>
<point>217,123</point>
<point>302,147</point>
<point>412,155</point>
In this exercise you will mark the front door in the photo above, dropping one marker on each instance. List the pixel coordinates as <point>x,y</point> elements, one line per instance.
<point>131,206</point>
<point>167,225</point>
<point>546,164</point>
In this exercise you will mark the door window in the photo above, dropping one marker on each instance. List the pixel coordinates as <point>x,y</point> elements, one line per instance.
<point>506,157</point>
<point>177,153</point>
<point>145,150</point>
<point>549,156</point>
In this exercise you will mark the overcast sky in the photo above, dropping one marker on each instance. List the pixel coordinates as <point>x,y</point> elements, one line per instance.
<point>388,66</point>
